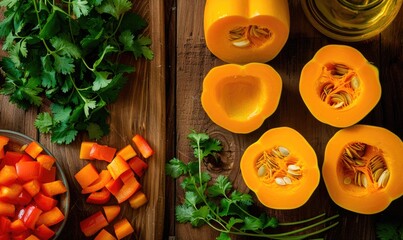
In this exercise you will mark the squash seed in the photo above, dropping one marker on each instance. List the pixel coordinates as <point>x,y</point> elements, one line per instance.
<point>262,171</point>
<point>241,43</point>
<point>252,35</point>
<point>287,180</point>
<point>280,181</point>
<point>384,178</point>
<point>355,82</point>
<point>347,180</point>
<point>284,151</point>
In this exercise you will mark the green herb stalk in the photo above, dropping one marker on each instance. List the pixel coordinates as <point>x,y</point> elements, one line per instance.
<point>69,53</point>
<point>225,209</point>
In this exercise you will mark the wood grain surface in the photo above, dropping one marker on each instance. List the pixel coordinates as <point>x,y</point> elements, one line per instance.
<point>141,108</point>
<point>193,61</point>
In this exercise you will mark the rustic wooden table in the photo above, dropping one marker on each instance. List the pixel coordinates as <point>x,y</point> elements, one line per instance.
<point>165,106</point>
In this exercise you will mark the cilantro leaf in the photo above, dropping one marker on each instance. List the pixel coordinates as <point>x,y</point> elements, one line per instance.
<point>183,213</point>
<point>220,187</point>
<point>223,236</point>
<point>63,64</point>
<point>44,122</point>
<point>94,131</point>
<point>101,80</point>
<point>60,113</point>
<point>63,133</point>
<point>115,7</point>
<point>80,8</point>
<point>175,168</point>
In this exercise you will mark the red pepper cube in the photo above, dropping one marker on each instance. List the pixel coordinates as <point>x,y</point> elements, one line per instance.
<point>53,188</point>
<point>138,166</point>
<point>143,146</point>
<point>5,223</point>
<point>93,224</point>
<point>17,226</point>
<point>27,170</point>
<point>114,186</point>
<point>33,149</point>
<point>51,217</point>
<point>102,152</point>
<point>46,175</point>
<point>8,175</point>
<point>44,202</point>
<point>11,158</point>
<point>99,197</point>
<point>24,198</point>
<point>117,167</point>
<point>46,161</point>
<point>123,228</point>
<point>87,175</point>
<point>31,215</point>
<point>44,232</point>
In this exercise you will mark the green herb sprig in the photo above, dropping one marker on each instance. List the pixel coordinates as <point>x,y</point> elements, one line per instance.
<point>389,227</point>
<point>217,204</point>
<point>69,52</point>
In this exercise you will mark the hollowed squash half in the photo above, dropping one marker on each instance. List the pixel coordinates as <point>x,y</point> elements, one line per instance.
<point>281,168</point>
<point>339,86</point>
<point>362,168</point>
<point>240,97</point>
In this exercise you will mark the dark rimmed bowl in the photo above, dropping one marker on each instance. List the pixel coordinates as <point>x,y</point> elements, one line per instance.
<point>64,199</point>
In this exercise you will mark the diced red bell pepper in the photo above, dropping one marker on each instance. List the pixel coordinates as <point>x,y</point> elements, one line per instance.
<point>23,198</point>
<point>44,232</point>
<point>102,152</point>
<point>87,175</point>
<point>8,175</point>
<point>103,179</point>
<point>99,197</point>
<point>51,217</point>
<point>11,158</point>
<point>33,149</point>
<point>93,224</point>
<point>143,146</point>
<point>22,235</point>
<point>4,141</point>
<point>11,192</point>
<point>138,166</point>
<point>104,235</point>
<point>111,212</point>
<point>53,188</point>
<point>31,216</point>
<point>26,157</point>
<point>114,185</point>
<point>4,224</point>
<point>32,187</point>
<point>47,175</point>
<point>46,161</point>
<point>27,170</point>
<point>138,199</point>
<point>85,150</point>
<point>130,186</point>
<point>123,228</point>
<point>117,167</point>
<point>44,202</point>
<point>127,152</point>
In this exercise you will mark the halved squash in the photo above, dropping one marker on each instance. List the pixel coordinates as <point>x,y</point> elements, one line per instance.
<point>281,168</point>
<point>240,97</point>
<point>362,168</point>
<point>339,86</point>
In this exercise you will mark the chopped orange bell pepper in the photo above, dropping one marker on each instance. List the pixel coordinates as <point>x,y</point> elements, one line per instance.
<point>46,161</point>
<point>123,228</point>
<point>103,179</point>
<point>102,152</point>
<point>33,149</point>
<point>53,188</point>
<point>138,199</point>
<point>32,237</point>
<point>114,185</point>
<point>32,187</point>
<point>111,212</point>
<point>104,235</point>
<point>117,167</point>
<point>85,150</point>
<point>17,226</point>
<point>143,146</point>
<point>130,186</point>
<point>138,166</point>
<point>7,209</point>
<point>87,175</point>
<point>8,175</point>
<point>93,224</point>
<point>51,217</point>
<point>127,152</point>
<point>4,141</point>
<point>44,232</point>
<point>11,192</point>
<point>100,197</point>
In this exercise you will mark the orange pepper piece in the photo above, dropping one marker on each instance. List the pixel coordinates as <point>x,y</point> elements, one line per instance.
<point>51,217</point>
<point>111,212</point>
<point>100,197</point>
<point>117,167</point>
<point>8,175</point>
<point>138,199</point>
<point>130,186</point>
<point>46,161</point>
<point>103,179</point>
<point>127,152</point>
<point>138,166</point>
<point>53,188</point>
<point>123,228</point>
<point>143,146</point>
<point>7,209</point>
<point>33,149</point>
<point>85,150</point>
<point>87,175</point>
<point>32,187</point>
<point>93,224</point>
<point>104,235</point>
<point>102,152</point>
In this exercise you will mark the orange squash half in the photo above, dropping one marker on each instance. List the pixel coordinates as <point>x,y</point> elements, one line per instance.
<point>339,86</point>
<point>281,168</point>
<point>240,97</point>
<point>363,168</point>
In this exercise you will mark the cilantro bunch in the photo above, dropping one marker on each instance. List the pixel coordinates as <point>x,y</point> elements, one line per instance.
<point>69,53</point>
<point>217,204</point>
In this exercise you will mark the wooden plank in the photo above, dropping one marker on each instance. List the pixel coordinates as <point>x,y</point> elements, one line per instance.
<point>194,61</point>
<point>140,108</point>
